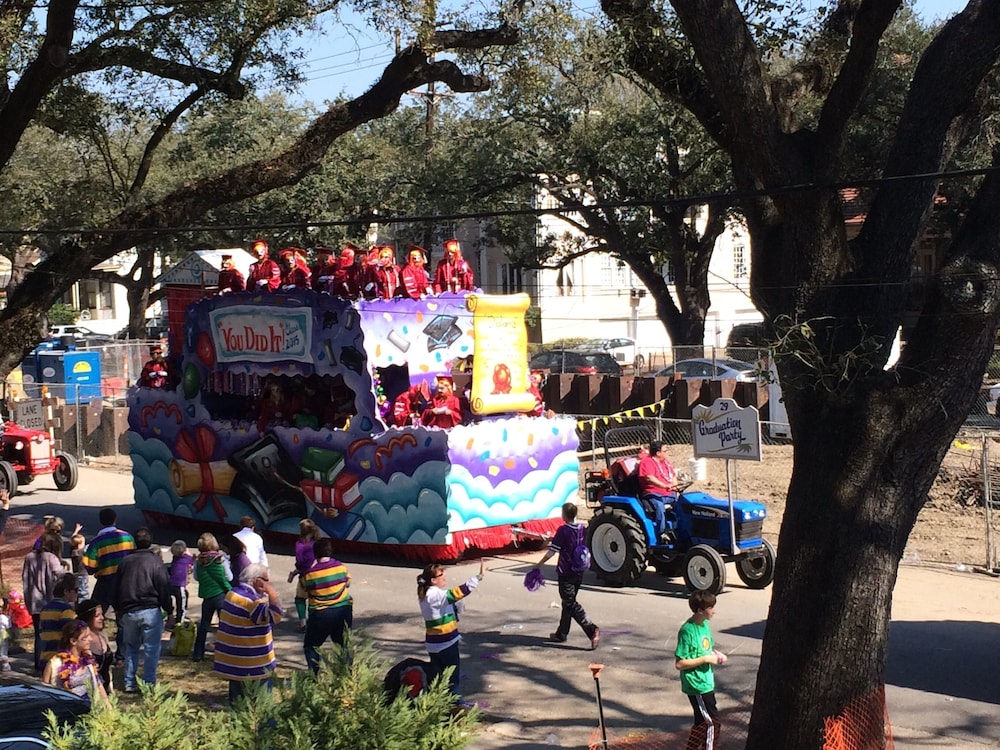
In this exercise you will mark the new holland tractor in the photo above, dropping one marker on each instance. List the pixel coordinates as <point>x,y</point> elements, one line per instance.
<point>703,533</point>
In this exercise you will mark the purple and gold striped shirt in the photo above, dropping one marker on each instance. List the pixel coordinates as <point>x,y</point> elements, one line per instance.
<point>244,645</point>
<point>327,583</point>
<point>107,550</point>
<point>440,618</point>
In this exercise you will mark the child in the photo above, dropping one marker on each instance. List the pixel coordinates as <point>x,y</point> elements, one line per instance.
<point>304,559</point>
<point>4,637</point>
<point>180,574</point>
<point>212,573</point>
<point>19,617</point>
<point>567,538</point>
<point>695,654</point>
<point>438,607</point>
<point>76,551</point>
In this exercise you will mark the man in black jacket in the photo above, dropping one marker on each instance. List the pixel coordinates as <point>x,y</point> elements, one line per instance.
<point>143,597</point>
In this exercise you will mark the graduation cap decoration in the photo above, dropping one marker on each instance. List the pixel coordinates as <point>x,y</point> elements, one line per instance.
<point>353,359</point>
<point>442,332</point>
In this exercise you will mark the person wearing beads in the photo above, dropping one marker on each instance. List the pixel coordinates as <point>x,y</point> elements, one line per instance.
<point>440,608</point>
<point>72,668</point>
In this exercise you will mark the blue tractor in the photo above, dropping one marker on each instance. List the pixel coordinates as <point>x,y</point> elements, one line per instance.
<point>702,533</point>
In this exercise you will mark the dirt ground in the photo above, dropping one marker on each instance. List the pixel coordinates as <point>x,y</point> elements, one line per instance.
<point>951,527</point>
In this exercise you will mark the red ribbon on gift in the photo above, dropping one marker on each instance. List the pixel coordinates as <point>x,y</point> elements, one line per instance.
<point>196,447</point>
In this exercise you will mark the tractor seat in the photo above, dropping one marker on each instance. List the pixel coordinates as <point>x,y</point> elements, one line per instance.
<point>625,476</point>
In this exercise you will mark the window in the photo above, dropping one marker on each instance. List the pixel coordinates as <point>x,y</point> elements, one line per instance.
<point>739,262</point>
<point>511,279</point>
<point>668,272</point>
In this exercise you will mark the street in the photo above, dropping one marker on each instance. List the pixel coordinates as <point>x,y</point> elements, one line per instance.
<point>943,658</point>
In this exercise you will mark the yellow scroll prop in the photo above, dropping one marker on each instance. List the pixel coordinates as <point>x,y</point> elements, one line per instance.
<point>500,362</point>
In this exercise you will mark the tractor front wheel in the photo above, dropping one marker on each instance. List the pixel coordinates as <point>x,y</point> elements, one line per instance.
<point>8,478</point>
<point>704,569</point>
<point>66,472</point>
<point>756,569</point>
<point>617,547</point>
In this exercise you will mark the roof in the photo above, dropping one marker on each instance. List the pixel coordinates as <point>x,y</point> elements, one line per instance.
<point>201,268</point>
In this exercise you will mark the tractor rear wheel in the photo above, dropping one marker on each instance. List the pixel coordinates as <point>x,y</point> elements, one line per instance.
<point>66,472</point>
<point>757,571</point>
<point>8,478</point>
<point>617,547</point>
<point>704,569</point>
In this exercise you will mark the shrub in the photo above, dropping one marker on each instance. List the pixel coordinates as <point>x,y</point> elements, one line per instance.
<point>344,707</point>
<point>61,314</point>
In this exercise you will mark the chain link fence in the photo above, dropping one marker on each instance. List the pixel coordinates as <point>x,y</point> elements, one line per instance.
<point>967,488</point>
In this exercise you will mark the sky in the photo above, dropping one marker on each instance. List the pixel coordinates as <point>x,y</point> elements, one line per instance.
<point>349,63</point>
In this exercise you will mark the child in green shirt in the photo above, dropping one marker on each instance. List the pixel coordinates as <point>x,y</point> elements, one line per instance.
<point>695,654</point>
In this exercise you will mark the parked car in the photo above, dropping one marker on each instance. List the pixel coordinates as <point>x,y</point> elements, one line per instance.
<point>25,702</point>
<point>81,334</point>
<point>572,361</point>
<point>746,340</point>
<point>624,351</point>
<point>713,369</point>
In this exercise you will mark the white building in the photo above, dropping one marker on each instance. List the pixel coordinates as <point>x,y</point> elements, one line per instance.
<point>598,296</point>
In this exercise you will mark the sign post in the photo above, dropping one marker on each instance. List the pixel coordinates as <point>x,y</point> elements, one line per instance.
<point>727,430</point>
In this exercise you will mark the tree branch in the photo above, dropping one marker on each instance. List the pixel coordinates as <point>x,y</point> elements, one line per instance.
<point>410,69</point>
<point>748,108</point>
<point>669,69</point>
<point>38,77</point>
<point>869,25</point>
<point>946,82</point>
<point>101,57</point>
<point>162,128</point>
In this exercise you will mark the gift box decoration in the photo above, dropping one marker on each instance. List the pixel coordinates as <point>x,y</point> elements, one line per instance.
<point>343,495</point>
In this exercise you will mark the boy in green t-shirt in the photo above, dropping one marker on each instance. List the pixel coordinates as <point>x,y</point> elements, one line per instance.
<point>695,654</point>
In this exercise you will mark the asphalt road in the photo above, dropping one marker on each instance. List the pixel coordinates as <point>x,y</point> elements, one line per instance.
<point>944,660</point>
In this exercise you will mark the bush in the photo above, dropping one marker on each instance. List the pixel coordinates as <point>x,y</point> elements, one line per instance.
<point>61,314</point>
<point>344,707</point>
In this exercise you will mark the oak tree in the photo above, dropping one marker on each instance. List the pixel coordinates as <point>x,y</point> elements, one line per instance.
<point>868,442</point>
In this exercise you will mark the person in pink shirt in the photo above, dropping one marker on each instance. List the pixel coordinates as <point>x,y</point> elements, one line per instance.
<point>657,482</point>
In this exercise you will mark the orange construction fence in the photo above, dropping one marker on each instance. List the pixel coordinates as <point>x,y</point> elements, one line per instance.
<point>863,725</point>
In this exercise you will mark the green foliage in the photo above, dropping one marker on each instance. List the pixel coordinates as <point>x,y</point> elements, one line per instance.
<point>344,707</point>
<point>61,314</point>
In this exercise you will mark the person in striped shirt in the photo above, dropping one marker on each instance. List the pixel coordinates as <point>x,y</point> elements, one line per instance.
<point>331,608</point>
<point>105,551</point>
<point>440,607</point>
<point>56,613</point>
<point>244,645</point>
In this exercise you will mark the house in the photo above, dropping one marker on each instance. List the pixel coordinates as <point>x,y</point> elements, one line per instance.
<point>602,291</point>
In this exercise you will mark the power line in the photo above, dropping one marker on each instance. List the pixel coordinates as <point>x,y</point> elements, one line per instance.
<point>699,199</point>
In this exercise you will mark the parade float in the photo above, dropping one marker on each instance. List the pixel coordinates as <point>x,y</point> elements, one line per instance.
<point>281,409</point>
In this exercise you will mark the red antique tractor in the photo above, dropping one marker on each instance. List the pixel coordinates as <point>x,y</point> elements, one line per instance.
<point>24,454</point>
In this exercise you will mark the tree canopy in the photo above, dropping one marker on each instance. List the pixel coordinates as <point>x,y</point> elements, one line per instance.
<point>868,442</point>
<point>75,68</point>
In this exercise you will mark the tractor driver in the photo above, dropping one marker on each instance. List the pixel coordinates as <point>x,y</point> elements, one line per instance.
<point>657,482</point>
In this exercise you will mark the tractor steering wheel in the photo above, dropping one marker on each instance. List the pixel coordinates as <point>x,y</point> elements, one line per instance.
<point>682,485</point>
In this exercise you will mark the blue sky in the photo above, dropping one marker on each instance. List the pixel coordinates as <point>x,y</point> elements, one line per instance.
<point>348,63</point>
